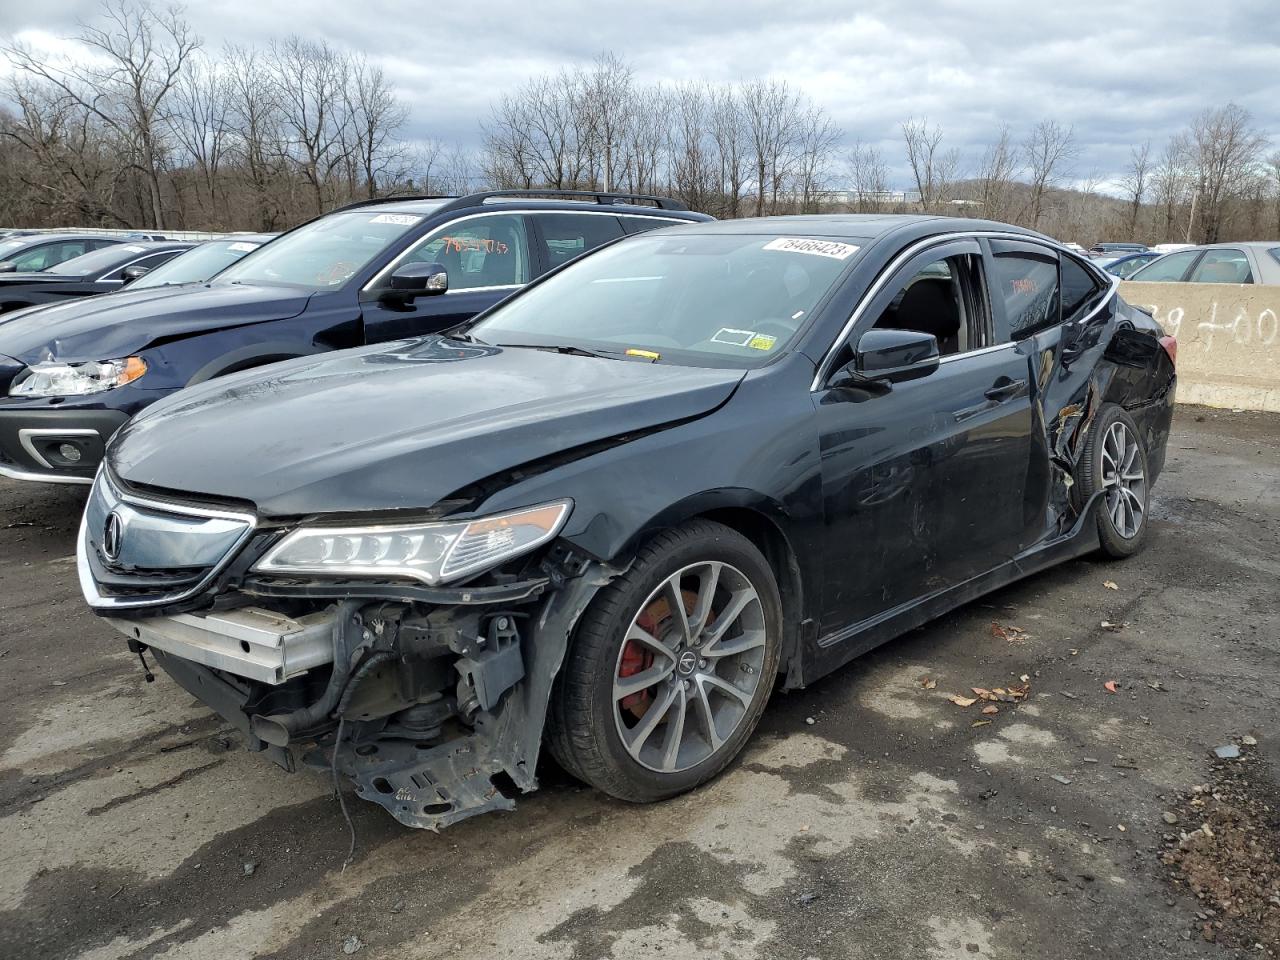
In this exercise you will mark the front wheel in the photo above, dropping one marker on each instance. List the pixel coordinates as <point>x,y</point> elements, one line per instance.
<point>670,667</point>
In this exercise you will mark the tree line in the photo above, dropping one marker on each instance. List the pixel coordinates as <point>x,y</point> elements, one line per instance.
<point>151,130</point>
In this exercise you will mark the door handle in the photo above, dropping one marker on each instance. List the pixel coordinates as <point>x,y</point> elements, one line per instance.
<point>1006,390</point>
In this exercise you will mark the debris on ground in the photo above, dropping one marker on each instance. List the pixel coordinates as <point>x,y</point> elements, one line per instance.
<point>1011,633</point>
<point>1113,627</point>
<point>351,945</point>
<point>249,868</point>
<point>1110,585</point>
<point>807,898</point>
<point>1110,686</point>
<point>928,683</point>
<point>1231,862</point>
<point>960,701</point>
<point>991,710</point>
<point>1065,781</point>
<point>1228,751</point>
<point>810,721</point>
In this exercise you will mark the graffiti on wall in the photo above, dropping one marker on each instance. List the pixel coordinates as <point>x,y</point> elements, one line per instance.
<point>1236,324</point>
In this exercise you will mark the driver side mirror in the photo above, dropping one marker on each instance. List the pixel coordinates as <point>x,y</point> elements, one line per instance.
<point>133,272</point>
<point>411,280</point>
<point>889,355</point>
<point>8,266</point>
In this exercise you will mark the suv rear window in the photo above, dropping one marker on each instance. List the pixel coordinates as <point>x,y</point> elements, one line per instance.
<point>568,235</point>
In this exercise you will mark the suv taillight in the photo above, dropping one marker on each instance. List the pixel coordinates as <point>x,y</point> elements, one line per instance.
<point>1170,345</point>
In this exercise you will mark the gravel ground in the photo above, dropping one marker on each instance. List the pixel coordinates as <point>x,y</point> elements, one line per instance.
<point>132,825</point>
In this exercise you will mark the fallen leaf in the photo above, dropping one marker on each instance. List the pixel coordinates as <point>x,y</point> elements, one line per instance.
<point>928,683</point>
<point>1113,627</point>
<point>1024,678</point>
<point>991,711</point>
<point>980,723</point>
<point>960,701</point>
<point>1110,686</point>
<point>1010,633</point>
<point>980,693</point>
<point>1110,585</point>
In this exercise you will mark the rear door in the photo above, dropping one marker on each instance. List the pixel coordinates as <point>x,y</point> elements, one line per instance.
<point>488,256</point>
<point>923,481</point>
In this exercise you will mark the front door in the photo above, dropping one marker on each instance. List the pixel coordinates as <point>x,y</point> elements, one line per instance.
<point>923,480</point>
<point>487,258</point>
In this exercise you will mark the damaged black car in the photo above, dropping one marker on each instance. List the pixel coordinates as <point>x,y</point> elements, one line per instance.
<point>616,512</point>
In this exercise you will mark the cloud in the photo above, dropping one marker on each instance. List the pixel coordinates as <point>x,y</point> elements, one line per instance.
<point>1117,75</point>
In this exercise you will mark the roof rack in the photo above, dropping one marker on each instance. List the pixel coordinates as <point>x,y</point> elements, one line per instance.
<point>595,196</point>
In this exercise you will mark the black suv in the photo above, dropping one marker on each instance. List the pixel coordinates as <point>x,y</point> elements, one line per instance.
<point>370,272</point>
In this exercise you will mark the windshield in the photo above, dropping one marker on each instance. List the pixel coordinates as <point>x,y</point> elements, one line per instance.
<point>97,261</point>
<point>723,300</point>
<point>326,253</point>
<point>197,264</point>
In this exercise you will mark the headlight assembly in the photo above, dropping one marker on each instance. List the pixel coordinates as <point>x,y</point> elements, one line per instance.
<point>53,379</point>
<point>431,552</point>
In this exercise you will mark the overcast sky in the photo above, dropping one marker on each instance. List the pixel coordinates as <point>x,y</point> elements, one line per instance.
<point>1118,72</point>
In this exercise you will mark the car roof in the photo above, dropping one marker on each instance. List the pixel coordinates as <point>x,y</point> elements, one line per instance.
<point>428,207</point>
<point>854,226</point>
<point>242,238</point>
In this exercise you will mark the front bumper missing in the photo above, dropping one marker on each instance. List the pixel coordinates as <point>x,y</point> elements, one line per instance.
<point>485,701</point>
<point>248,642</point>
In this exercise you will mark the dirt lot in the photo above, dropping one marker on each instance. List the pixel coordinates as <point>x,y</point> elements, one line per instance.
<point>131,825</point>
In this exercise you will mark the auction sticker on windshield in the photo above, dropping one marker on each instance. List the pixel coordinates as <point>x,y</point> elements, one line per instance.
<point>400,219</point>
<point>818,248</point>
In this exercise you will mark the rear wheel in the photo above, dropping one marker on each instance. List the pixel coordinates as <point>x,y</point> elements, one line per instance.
<point>1117,466</point>
<point>670,667</point>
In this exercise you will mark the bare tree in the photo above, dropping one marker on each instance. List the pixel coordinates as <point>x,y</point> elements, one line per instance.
<point>608,102</point>
<point>770,107</point>
<point>996,175</point>
<point>1136,182</point>
<point>933,168</point>
<point>376,118</point>
<point>137,56</point>
<point>1273,162</point>
<point>816,140</point>
<point>311,79</point>
<point>1047,150</point>
<point>201,125</point>
<point>1170,182</point>
<point>1225,153</point>
<point>732,144</point>
<point>869,176</point>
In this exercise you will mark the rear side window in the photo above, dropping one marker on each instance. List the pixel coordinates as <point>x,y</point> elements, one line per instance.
<point>569,235</point>
<point>642,224</point>
<point>1028,285</point>
<point>1079,289</point>
<point>1167,268</point>
<point>1222,266</point>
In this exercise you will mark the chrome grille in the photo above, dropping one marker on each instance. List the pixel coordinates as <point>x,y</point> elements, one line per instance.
<point>137,552</point>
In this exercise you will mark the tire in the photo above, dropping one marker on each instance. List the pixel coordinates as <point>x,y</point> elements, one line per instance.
<point>1122,510</point>
<point>599,726</point>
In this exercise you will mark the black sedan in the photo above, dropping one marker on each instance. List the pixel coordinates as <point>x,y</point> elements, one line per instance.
<point>100,271</point>
<point>608,514</point>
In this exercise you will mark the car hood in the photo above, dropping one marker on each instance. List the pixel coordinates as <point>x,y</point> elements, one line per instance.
<point>400,426</point>
<point>122,323</point>
<point>9,279</point>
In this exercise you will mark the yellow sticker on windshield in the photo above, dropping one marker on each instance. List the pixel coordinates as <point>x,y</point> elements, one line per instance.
<point>762,341</point>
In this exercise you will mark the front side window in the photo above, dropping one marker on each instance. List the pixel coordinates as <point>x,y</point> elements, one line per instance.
<point>488,251</point>
<point>324,254</point>
<point>1028,285</point>
<point>43,257</point>
<point>718,300</point>
<point>1168,268</point>
<point>1222,266</point>
<point>944,299</point>
<point>96,261</point>
<point>569,235</point>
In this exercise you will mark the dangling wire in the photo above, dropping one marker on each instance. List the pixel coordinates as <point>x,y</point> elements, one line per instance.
<point>337,788</point>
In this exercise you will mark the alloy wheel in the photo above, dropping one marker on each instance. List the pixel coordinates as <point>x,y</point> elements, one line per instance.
<point>689,666</point>
<point>1124,483</point>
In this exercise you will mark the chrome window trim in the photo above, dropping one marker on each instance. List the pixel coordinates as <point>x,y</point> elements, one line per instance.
<point>89,588</point>
<point>372,284</point>
<point>824,365</point>
<point>25,435</point>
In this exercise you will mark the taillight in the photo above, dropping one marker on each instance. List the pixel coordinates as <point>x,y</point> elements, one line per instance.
<point>1170,345</point>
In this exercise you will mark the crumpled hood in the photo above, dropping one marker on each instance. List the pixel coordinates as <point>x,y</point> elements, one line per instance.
<point>123,323</point>
<point>397,426</point>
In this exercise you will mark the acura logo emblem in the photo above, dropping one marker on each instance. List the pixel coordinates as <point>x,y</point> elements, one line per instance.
<point>112,535</point>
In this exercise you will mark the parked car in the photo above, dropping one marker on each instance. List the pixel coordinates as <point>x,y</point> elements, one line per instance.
<point>1124,266</point>
<point>610,512</point>
<point>364,274</point>
<point>1254,262</point>
<point>101,271</point>
<point>201,262</point>
<point>39,251</point>
<point>1109,249</point>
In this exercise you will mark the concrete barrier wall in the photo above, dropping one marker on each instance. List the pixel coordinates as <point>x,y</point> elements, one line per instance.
<point>1228,339</point>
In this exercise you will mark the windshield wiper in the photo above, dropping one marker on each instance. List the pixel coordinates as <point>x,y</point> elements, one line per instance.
<point>565,348</point>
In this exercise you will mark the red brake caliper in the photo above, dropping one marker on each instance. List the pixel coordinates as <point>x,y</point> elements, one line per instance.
<point>637,659</point>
